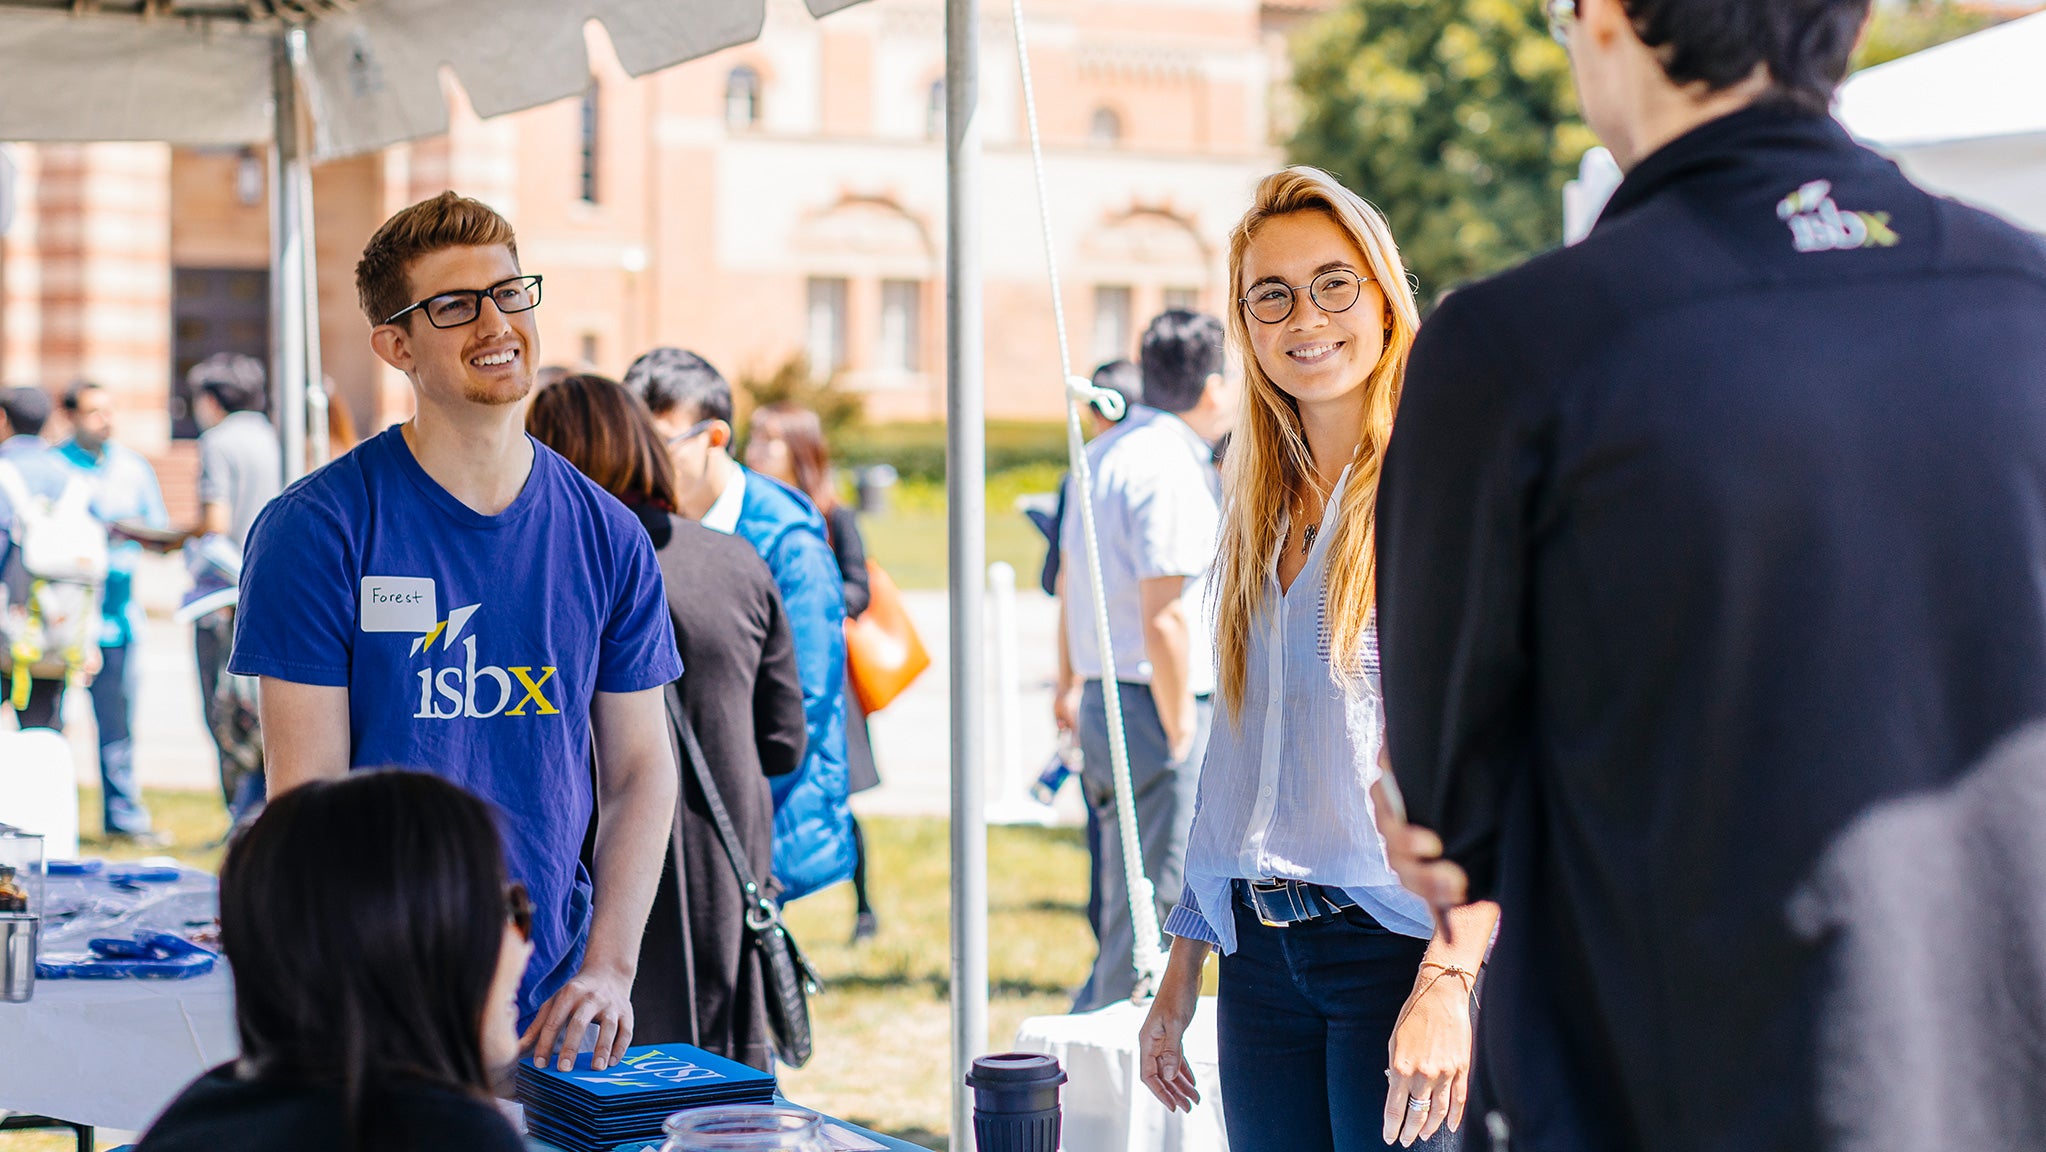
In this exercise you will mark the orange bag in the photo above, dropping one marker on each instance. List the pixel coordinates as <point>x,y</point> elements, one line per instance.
<point>882,648</point>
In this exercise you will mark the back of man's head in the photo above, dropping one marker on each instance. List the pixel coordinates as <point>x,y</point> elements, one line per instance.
<point>26,410</point>
<point>1181,350</point>
<point>672,378</point>
<point>235,381</point>
<point>382,286</point>
<point>1124,379</point>
<point>1804,43</point>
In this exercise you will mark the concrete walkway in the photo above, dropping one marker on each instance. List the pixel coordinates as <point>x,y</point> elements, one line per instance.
<point>911,737</point>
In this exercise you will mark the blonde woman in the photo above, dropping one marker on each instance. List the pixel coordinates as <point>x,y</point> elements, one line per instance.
<point>1345,1022</point>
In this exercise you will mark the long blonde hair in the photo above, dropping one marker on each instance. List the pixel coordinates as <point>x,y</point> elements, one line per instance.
<point>1268,459</point>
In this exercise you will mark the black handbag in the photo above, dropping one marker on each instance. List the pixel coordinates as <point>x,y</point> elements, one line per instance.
<point>790,979</point>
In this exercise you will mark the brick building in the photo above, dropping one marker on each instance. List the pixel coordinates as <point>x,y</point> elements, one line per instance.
<point>778,198</point>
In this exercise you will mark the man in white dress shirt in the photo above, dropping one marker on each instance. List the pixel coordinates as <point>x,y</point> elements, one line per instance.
<point>1157,509</point>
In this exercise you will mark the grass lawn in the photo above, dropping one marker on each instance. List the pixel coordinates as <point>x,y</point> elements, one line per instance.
<point>909,539</point>
<point>883,1024</point>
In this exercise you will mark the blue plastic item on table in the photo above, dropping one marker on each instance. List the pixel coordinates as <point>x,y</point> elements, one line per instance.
<point>148,956</point>
<point>143,873</point>
<point>73,867</point>
<point>114,948</point>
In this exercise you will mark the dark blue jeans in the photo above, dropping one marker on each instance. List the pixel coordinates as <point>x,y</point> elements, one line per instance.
<point>1306,1014</point>
<point>113,696</point>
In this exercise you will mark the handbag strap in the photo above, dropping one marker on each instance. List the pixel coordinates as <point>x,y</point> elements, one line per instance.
<point>762,914</point>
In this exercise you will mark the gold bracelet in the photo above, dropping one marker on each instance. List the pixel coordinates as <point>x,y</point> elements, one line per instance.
<point>1470,987</point>
<point>1469,977</point>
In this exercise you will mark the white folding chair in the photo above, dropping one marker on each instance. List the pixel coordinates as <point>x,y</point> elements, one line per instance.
<point>39,789</point>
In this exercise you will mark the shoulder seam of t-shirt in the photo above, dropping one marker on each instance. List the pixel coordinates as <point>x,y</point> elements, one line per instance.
<point>300,497</point>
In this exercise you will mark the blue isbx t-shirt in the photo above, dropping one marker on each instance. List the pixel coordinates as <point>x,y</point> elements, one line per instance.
<point>470,645</point>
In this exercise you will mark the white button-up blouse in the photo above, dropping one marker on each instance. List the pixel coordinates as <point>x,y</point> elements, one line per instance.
<point>1285,788</point>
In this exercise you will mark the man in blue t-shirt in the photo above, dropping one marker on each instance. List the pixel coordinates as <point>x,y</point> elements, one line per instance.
<point>454,597</point>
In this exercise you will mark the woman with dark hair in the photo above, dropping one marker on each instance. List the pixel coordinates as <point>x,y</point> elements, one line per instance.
<point>377,949</point>
<point>786,442</point>
<point>699,979</point>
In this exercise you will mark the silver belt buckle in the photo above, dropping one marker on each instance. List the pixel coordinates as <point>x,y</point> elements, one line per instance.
<point>1260,888</point>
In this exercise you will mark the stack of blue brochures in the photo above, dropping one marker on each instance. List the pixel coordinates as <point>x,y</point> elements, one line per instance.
<point>589,1111</point>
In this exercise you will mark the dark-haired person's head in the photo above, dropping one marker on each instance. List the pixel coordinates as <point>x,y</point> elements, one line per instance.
<point>225,383</point>
<point>603,429</point>
<point>1649,70</point>
<point>375,940</point>
<point>23,412</point>
<point>1123,378</point>
<point>692,406</point>
<point>786,441</point>
<point>1182,371</point>
<point>675,382</point>
<point>448,304</point>
<point>90,411</point>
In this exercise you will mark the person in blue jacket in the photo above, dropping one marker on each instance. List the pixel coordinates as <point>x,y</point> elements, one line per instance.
<point>692,405</point>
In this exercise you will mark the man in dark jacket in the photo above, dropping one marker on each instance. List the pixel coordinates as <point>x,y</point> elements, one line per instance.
<point>1698,541</point>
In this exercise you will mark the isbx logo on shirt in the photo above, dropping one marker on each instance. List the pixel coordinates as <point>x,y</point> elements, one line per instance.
<point>473,691</point>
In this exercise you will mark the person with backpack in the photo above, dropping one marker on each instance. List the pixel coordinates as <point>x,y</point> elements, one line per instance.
<point>124,492</point>
<point>53,564</point>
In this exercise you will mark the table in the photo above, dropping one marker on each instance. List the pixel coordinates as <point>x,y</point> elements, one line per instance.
<point>1107,1107</point>
<point>113,1053</point>
<point>888,1143</point>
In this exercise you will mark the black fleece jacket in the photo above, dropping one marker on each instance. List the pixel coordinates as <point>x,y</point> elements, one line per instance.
<point>1697,540</point>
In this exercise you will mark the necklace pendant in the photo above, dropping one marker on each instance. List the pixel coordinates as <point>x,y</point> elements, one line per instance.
<point>1307,538</point>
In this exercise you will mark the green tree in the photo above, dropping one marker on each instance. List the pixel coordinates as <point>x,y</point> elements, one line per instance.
<point>1901,29</point>
<point>1457,118</point>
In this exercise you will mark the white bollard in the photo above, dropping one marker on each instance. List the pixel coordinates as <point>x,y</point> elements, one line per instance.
<point>1009,790</point>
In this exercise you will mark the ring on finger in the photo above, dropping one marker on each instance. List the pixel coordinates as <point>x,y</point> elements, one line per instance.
<point>1418,1103</point>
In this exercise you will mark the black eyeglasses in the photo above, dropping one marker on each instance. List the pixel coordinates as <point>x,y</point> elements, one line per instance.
<point>1335,290</point>
<point>518,909</point>
<point>691,432</point>
<point>463,305</point>
<point>1562,16</point>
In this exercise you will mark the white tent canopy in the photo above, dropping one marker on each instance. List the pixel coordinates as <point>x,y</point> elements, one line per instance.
<point>200,71</point>
<point>1967,118</point>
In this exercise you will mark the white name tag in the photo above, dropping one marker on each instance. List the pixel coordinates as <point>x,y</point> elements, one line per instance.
<point>398,604</point>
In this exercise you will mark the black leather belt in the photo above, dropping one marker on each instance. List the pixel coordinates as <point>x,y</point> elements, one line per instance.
<point>1281,903</point>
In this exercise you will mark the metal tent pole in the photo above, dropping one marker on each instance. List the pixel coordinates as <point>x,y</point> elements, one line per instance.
<point>294,298</point>
<point>965,496</point>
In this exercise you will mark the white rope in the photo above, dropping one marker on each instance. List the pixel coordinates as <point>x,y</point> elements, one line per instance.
<point>1147,958</point>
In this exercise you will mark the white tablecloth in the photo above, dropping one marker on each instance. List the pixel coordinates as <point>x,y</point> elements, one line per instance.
<point>113,1053</point>
<point>1107,1107</point>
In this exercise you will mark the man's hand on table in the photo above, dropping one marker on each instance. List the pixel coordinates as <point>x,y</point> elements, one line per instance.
<point>598,995</point>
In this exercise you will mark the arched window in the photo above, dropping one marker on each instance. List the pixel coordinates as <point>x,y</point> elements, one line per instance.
<point>588,158</point>
<point>934,110</point>
<point>742,98</point>
<point>1105,129</point>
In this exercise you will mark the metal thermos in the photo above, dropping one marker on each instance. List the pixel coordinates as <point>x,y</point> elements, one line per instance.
<point>18,956</point>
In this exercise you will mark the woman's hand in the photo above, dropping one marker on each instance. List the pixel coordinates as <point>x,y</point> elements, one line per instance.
<point>1429,1071</point>
<point>1160,1058</point>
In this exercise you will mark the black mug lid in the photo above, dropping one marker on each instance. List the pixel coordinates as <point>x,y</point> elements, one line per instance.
<point>1015,1069</point>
